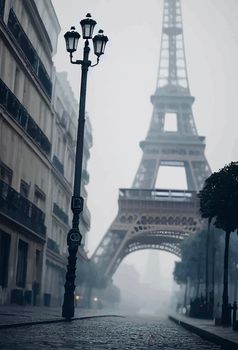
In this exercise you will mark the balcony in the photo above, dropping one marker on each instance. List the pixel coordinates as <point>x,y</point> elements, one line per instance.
<point>52,245</point>
<point>20,209</point>
<point>44,78</point>
<point>60,214</point>
<point>16,110</point>
<point>59,166</point>
<point>29,52</point>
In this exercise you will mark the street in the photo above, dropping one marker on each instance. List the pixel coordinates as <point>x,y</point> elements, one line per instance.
<point>104,333</point>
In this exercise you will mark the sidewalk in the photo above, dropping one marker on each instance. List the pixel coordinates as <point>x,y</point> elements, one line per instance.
<point>13,315</point>
<point>207,329</point>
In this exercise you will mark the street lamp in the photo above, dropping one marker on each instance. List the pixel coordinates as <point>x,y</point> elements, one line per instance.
<point>74,237</point>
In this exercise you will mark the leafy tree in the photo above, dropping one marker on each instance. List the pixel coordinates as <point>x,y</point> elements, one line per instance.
<point>89,275</point>
<point>179,273</point>
<point>200,265</point>
<point>218,201</point>
<point>192,264</point>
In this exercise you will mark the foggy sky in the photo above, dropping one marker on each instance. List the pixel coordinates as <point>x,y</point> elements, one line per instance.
<point>119,88</point>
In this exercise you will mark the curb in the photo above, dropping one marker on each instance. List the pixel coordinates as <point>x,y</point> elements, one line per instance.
<point>33,323</point>
<point>228,344</point>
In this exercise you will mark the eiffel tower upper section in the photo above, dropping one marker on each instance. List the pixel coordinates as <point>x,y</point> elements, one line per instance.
<point>172,99</point>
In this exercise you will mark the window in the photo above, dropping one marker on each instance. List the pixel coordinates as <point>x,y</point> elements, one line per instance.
<point>21,264</point>
<point>170,122</point>
<point>39,198</point>
<point>5,240</point>
<point>5,173</point>
<point>39,193</point>
<point>24,189</point>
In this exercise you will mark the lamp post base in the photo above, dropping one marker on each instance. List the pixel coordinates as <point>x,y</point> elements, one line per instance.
<point>68,307</point>
<point>73,240</point>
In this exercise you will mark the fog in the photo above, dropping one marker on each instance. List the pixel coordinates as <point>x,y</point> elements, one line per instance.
<point>118,102</point>
<point>147,287</point>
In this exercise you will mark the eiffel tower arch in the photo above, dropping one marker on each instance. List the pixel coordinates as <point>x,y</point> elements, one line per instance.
<point>149,217</point>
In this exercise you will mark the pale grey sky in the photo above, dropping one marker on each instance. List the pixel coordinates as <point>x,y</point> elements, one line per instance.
<point>119,88</point>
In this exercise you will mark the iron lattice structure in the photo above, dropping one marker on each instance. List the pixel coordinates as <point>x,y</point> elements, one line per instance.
<point>150,218</point>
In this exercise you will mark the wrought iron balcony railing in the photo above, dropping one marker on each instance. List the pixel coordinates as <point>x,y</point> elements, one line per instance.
<point>20,209</point>
<point>60,213</point>
<point>59,166</point>
<point>13,106</point>
<point>29,52</point>
<point>52,245</point>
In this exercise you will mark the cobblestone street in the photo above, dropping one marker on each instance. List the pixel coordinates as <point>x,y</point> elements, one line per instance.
<point>104,333</point>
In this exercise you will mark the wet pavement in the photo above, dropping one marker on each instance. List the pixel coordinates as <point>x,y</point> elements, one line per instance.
<point>16,314</point>
<point>104,333</point>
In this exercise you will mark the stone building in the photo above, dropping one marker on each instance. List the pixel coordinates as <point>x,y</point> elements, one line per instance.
<point>63,159</point>
<point>38,117</point>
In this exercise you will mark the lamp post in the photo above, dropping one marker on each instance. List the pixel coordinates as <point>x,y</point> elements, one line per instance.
<point>74,236</point>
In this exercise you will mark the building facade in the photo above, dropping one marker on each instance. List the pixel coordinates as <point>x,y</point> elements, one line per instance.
<point>62,175</point>
<point>38,118</point>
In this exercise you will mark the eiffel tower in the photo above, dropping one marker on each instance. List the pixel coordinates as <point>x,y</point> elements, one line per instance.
<point>149,217</point>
